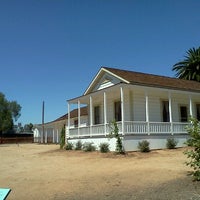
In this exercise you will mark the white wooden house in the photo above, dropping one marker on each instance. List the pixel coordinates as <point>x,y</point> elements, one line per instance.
<point>145,106</point>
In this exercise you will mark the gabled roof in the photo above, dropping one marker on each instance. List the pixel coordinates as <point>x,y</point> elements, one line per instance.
<point>98,75</point>
<point>138,78</point>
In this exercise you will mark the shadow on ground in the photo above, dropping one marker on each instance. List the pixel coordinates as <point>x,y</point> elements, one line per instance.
<point>180,189</point>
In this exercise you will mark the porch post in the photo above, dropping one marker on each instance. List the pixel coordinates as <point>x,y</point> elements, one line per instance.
<point>46,136</point>
<point>170,111</point>
<point>53,136</point>
<point>190,99</point>
<point>57,136</point>
<point>105,111</point>
<point>91,116</point>
<point>79,118</point>
<point>147,111</point>
<point>41,136</point>
<point>68,125</point>
<point>122,108</point>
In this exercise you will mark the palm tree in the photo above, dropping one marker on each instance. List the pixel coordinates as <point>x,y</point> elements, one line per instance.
<point>189,68</point>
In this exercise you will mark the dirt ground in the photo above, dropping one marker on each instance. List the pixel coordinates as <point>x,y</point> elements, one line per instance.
<point>40,172</point>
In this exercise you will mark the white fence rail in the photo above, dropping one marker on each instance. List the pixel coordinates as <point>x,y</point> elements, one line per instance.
<point>130,127</point>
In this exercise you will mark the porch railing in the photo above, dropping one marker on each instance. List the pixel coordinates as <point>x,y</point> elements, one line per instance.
<point>130,127</point>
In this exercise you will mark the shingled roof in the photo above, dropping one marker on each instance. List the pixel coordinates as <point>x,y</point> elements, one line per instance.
<point>138,78</point>
<point>73,114</point>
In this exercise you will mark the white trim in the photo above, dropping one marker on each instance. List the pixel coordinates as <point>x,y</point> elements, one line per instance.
<point>53,136</point>
<point>97,76</point>
<point>170,111</point>
<point>170,107</point>
<point>68,108</point>
<point>115,75</point>
<point>91,115</point>
<point>190,99</point>
<point>147,111</point>
<point>46,136</point>
<point>122,107</point>
<point>78,117</point>
<point>105,111</point>
<point>57,135</point>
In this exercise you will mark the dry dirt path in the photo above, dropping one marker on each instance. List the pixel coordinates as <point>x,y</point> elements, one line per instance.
<point>43,172</point>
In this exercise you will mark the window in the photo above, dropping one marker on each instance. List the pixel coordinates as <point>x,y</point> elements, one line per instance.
<point>76,123</point>
<point>97,115</point>
<point>118,115</point>
<point>165,111</point>
<point>198,111</point>
<point>183,112</point>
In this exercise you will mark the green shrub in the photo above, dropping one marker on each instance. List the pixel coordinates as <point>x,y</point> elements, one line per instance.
<point>88,146</point>
<point>69,146</point>
<point>171,143</point>
<point>104,147</point>
<point>115,133</point>
<point>143,146</point>
<point>62,138</point>
<point>194,154</point>
<point>78,145</point>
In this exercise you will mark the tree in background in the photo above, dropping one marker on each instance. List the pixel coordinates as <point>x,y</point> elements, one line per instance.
<point>9,111</point>
<point>189,68</point>
<point>28,127</point>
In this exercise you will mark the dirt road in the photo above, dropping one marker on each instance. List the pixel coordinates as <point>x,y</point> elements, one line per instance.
<point>41,172</point>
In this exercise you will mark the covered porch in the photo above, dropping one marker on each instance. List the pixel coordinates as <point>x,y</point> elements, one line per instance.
<point>139,111</point>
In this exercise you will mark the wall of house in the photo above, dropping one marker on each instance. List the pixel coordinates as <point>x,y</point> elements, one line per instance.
<point>156,141</point>
<point>135,104</point>
<point>96,142</point>
<point>83,121</point>
<point>130,142</point>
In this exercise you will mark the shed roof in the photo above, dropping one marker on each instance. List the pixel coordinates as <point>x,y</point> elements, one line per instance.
<point>73,114</point>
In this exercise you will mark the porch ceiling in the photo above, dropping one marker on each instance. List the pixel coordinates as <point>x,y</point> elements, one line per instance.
<point>115,89</point>
<point>85,98</point>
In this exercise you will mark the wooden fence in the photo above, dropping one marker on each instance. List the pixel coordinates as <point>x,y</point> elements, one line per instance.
<point>16,138</point>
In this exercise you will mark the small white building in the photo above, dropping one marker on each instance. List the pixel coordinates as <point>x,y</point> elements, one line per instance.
<point>53,129</point>
<point>145,106</point>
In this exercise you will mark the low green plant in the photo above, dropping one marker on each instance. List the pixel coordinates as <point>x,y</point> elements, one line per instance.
<point>171,143</point>
<point>104,147</point>
<point>69,146</point>
<point>78,145</point>
<point>143,146</point>
<point>89,146</point>
<point>194,142</point>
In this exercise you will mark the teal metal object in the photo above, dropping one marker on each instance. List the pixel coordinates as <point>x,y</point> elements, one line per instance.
<point>4,192</point>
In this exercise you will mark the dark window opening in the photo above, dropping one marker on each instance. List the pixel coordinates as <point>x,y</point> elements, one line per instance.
<point>165,111</point>
<point>118,113</point>
<point>76,123</point>
<point>183,111</point>
<point>198,112</point>
<point>96,115</point>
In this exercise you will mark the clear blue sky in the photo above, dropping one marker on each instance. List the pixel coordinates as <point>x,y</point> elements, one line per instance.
<point>51,49</point>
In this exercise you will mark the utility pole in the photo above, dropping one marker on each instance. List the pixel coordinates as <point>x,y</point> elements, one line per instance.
<point>43,135</point>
